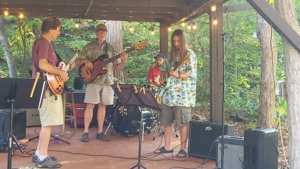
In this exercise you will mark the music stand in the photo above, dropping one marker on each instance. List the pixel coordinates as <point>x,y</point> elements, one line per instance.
<point>15,93</point>
<point>135,95</point>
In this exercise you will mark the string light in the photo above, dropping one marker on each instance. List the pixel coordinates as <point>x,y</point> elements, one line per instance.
<point>76,25</point>
<point>21,16</point>
<point>5,12</point>
<point>194,26</point>
<point>169,29</point>
<point>215,21</point>
<point>152,31</point>
<point>183,24</point>
<point>189,26</point>
<point>213,8</point>
<point>130,29</point>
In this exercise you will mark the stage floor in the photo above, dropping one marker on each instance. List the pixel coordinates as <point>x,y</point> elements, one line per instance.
<point>118,153</point>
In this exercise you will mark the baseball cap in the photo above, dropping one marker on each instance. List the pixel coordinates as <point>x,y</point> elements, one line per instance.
<point>101,26</point>
<point>160,55</point>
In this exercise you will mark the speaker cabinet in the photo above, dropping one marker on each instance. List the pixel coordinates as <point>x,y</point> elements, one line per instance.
<point>261,149</point>
<point>32,117</point>
<point>233,152</point>
<point>19,124</point>
<point>203,136</point>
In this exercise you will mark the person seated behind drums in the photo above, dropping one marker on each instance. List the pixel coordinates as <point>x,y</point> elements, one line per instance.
<point>154,72</point>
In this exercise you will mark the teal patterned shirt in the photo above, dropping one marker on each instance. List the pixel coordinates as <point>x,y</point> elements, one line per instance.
<point>182,92</point>
<point>92,51</point>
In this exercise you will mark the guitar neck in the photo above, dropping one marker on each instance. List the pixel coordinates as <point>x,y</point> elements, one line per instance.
<point>176,67</point>
<point>67,67</point>
<point>116,57</point>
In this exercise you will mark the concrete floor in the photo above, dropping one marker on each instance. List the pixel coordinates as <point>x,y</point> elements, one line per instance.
<point>118,153</point>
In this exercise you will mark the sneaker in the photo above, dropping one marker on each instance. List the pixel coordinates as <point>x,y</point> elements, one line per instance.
<point>35,158</point>
<point>47,163</point>
<point>85,137</point>
<point>101,136</point>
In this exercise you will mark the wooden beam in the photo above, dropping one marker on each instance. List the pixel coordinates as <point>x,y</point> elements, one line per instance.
<point>195,10</point>
<point>238,7</point>
<point>276,21</point>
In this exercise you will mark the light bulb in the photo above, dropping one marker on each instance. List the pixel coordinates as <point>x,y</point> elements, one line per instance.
<point>169,29</point>
<point>189,27</point>
<point>215,21</point>
<point>5,12</point>
<point>21,16</point>
<point>213,8</point>
<point>182,24</point>
<point>76,25</point>
<point>194,27</point>
<point>130,28</point>
<point>152,32</point>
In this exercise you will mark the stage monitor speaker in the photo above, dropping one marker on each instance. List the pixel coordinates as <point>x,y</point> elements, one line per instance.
<point>32,117</point>
<point>19,124</point>
<point>261,149</point>
<point>233,152</point>
<point>203,138</point>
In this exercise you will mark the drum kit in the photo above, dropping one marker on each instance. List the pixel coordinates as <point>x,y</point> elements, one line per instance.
<point>126,119</point>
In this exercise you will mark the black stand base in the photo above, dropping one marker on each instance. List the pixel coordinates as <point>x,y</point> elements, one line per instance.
<point>17,143</point>
<point>138,166</point>
<point>52,137</point>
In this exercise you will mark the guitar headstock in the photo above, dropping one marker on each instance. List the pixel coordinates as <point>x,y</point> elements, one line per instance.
<point>76,50</point>
<point>141,45</point>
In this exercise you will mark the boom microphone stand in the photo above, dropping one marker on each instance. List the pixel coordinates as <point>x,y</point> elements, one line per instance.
<point>133,95</point>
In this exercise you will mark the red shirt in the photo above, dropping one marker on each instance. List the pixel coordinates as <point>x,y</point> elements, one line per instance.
<point>153,73</point>
<point>42,48</point>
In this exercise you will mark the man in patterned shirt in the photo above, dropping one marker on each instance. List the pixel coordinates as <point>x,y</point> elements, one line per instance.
<point>99,90</point>
<point>179,98</point>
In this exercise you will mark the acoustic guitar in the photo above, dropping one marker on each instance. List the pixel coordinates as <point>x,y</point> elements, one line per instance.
<point>89,75</point>
<point>167,83</point>
<point>55,82</point>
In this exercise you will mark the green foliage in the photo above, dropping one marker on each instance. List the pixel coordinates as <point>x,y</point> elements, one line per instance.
<point>281,110</point>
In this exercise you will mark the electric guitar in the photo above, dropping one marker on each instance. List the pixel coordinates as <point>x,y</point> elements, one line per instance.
<point>55,82</point>
<point>167,83</point>
<point>89,75</point>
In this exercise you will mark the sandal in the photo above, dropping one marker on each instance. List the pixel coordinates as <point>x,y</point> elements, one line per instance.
<point>181,154</point>
<point>163,150</point>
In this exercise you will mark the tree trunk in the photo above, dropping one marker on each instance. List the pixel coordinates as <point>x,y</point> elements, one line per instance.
<point>266,109</point>
<point>286,9</point>
<point>6,48</point>
<point>115,38</point>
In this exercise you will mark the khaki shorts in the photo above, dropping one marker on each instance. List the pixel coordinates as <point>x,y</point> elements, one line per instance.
<point>96,93</point>
<point>51,112</point>
<point>178,114</point>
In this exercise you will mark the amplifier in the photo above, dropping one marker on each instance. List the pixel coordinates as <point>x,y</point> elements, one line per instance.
<point>233,152</point>
<point>203,138</point>
<point>19,124</point>
<point>32,117</point>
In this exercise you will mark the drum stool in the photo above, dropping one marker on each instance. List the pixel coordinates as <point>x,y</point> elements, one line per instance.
<point>69,92</point>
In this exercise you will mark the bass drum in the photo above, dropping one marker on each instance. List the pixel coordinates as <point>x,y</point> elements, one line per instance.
<point>126,120</point>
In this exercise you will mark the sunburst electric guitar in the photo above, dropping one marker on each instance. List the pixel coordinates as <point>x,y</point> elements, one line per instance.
<point>167,83</point>
<point>55,82</point>
<point>89,75</point>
